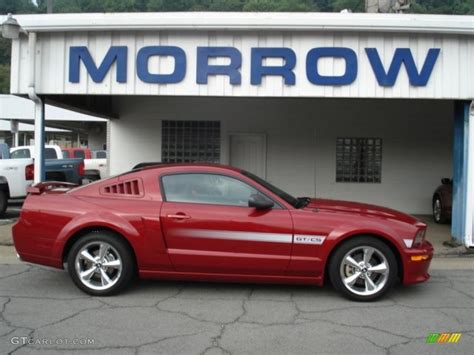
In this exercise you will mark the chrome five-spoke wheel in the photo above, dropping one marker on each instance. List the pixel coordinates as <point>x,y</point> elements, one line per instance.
<point>101,263</point>
<point>98,265</point>
<point>364,270</point>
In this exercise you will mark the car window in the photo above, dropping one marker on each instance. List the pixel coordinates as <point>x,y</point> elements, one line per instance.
<point>79,154</point>
<point>100,155</point>
<point>20,154</point>
<point>50,153</point>
<point>65,154</point>
<point>207,189</point>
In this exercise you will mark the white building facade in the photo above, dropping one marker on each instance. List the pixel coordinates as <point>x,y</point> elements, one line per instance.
<point>371,108</point>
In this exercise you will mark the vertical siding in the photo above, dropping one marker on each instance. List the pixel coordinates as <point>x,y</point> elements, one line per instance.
<point>451,77</point>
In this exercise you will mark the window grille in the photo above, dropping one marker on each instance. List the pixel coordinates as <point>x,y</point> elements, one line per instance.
<point>359,160</point>
<point>190,141</point>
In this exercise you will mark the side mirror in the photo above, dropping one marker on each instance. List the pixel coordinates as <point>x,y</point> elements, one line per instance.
<point>445,181</point>
<point>260,203</point>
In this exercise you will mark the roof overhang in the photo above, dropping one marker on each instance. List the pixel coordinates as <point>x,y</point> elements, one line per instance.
<point>248,21</point>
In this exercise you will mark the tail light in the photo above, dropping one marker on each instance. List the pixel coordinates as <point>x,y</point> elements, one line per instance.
<point>30,172</point>
<point>80,170</point>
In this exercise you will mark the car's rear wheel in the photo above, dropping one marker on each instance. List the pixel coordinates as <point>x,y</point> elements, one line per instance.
<point>438,214</point>
<point>363,269</point>
<point>101,264</point>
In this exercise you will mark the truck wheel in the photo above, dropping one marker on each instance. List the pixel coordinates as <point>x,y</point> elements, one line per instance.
<point>363,269</point>
<point>101,264</point>
<point>3,203</point>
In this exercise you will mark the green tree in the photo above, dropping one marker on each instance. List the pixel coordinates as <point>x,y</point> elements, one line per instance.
<point>454,7</point>
<point>226,5</point>
<point>279,5</point>
<point>119,6</point>
<point>17,7</point>
<point>354,5</point>
<point>170,5</point>
<point>5,50</point>
<point>4,79</point>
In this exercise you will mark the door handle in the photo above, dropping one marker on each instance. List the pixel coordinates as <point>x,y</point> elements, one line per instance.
<point>178,216</point>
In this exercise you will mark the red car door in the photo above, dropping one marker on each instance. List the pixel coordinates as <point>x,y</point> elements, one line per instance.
<point>208,226</point>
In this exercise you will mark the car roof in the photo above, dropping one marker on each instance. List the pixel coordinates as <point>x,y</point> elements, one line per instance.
<point>158,166</point>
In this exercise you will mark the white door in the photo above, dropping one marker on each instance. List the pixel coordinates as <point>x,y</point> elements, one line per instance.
<point>248,152</point>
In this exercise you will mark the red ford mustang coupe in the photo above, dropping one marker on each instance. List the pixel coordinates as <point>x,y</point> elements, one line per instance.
<point>216,223</point>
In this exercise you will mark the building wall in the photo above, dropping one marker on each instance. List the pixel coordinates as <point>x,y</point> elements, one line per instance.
<point>97,136</point>
<point>449,79</point>
<point>301,139</point>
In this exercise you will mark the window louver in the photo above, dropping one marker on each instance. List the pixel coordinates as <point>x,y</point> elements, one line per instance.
<point>127,188</point>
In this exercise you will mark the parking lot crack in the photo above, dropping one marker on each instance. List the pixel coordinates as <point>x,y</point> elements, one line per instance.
<point>359,326</point>
<point>215,341</point>
<point>171,337</point>
<point>28,269</point>
<point>69,317</point>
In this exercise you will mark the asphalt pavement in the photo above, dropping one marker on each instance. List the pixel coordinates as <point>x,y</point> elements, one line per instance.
<point>42,312</point>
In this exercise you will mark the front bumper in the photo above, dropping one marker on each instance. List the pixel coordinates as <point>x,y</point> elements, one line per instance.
<point>416,264</point>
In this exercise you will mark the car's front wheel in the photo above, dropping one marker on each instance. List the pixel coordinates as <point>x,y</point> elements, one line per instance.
<point>101,264</point>
<point>363,268</point>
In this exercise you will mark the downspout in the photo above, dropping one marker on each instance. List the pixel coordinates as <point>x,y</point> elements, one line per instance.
<point>39,112</point>
<point>469,216</point>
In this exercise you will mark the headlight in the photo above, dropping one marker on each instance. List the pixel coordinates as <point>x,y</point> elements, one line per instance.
<point>419,238</point>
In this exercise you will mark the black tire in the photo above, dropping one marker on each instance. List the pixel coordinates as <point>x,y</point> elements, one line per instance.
<point>336,268</point>
<point>119,251</point>
<point>439,217</point>
<point>92,177</point>
<point>3,202</point>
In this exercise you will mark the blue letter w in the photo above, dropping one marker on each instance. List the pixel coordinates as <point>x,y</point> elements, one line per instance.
<point>402,56</point>
<point>117,53</point>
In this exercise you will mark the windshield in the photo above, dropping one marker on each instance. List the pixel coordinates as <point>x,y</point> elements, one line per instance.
<point>280,193</point>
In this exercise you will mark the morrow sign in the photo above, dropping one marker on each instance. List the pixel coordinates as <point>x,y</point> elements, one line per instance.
<point>386,75</point>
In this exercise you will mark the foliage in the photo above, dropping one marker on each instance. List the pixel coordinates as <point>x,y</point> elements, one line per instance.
<point>4,78</point>
<point>451,7</point>
<point>17,7</point>
<point>279,5</point>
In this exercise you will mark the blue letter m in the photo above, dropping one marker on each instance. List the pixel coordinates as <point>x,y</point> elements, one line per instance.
<point>116,53</point>
<point>402,56</point>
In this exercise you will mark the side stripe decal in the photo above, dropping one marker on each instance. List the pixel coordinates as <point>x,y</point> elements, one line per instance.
<point>250,236</point>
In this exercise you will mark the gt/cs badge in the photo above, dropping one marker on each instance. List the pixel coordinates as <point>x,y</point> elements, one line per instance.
<point>309,239</point>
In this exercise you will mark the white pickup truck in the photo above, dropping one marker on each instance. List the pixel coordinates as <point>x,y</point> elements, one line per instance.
<point>95,161</point>
<point>17,170</point>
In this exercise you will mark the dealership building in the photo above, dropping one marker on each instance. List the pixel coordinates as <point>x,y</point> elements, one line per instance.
<point>365,107</point>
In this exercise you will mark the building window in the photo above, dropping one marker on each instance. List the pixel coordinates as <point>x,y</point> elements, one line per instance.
<point>359,160</point>
<point>190,141</point>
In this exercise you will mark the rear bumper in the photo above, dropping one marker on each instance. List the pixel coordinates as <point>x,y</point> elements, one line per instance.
<point>416,264</point>
<point>32,249</point>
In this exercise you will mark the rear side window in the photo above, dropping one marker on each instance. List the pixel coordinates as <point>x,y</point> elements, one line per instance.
<point>79,154</point>
<point>100,155</point>
<point>207,189</point>
<point>65,154</point>
<point>50,153</point>
<point>20,154</point>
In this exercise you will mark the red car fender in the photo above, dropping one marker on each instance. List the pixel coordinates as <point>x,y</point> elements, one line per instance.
<point>346,231</point>
<point>105,220</point>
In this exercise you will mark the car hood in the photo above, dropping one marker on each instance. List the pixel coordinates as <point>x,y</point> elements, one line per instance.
<point>361,209</point>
